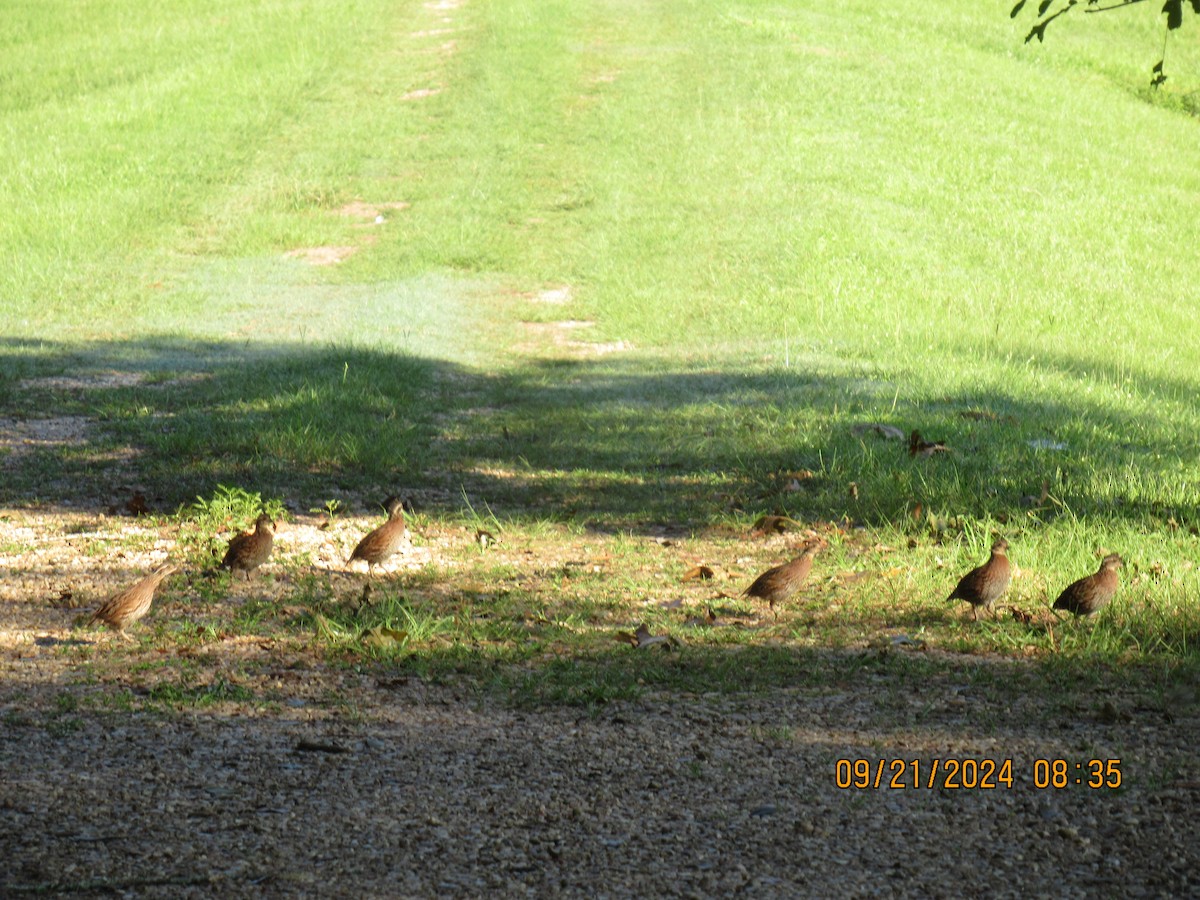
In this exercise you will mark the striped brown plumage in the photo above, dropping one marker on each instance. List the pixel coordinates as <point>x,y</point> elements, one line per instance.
<point>983,586</point>
<point>249,550</point>
<point>778,584</point>
<point>132,603</point>
<point>1089,595</point>
<point>385,540</point>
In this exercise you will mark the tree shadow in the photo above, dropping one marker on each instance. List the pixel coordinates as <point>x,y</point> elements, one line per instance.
<point>616,443</point>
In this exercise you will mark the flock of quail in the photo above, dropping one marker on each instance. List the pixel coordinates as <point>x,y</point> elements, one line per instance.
<point>245,553</point>
<point>981,587</point>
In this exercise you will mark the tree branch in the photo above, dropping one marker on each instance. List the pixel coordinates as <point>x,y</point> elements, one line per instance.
<point>1120,5</point>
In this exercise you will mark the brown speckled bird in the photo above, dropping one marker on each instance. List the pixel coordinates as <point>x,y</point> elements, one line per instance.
<point>249,550</point>
<point>1089,595</point>
<point>384,540</point>
<point>778,584</point>
<point>132,603</point>
<point>984,585</point>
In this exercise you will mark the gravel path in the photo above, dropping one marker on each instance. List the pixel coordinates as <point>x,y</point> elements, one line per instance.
<point>428,791</point>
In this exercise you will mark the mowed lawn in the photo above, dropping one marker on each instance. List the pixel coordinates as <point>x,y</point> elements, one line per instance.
<point>627,269</point>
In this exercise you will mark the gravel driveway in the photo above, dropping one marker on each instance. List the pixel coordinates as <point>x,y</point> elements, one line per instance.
<point>427,790</point>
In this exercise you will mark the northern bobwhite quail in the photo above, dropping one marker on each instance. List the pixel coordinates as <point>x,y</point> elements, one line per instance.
<point>249,550</point>
<point>132,603</point>
<point>384,540</point>
<point>1089,595</point>
<point>778,584</point>
<point>983,586</point>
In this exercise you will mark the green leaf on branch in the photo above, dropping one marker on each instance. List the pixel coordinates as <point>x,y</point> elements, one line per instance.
<point>1174,11</point>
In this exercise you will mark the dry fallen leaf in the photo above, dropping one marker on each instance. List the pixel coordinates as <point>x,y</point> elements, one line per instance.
<point>64,598</point>
<point>702,573</point>
<point>643,639</point>
<point>918,446</point>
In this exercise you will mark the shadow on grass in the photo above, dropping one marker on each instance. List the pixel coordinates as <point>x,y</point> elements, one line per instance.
<point>614,443</point>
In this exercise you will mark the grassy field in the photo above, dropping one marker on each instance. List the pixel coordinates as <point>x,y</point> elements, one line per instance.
<point>611,277</point>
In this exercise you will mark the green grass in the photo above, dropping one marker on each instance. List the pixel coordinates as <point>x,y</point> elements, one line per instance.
<point>796,219</point>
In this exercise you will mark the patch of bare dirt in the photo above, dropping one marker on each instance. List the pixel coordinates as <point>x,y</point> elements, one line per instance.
<point>556,337</point>
<point>20,436</point>
<point>421,93</point>
<point>556,296</point>
<point>370,212</point>
<point>321,256</point>
<point>95,381</point>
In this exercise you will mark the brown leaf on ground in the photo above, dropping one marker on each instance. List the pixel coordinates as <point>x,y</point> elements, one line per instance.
<point>918,446</point>
<point>64,599</point>
<point>643,639</point>
<point>708,620</point>
<point>701,573</point>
